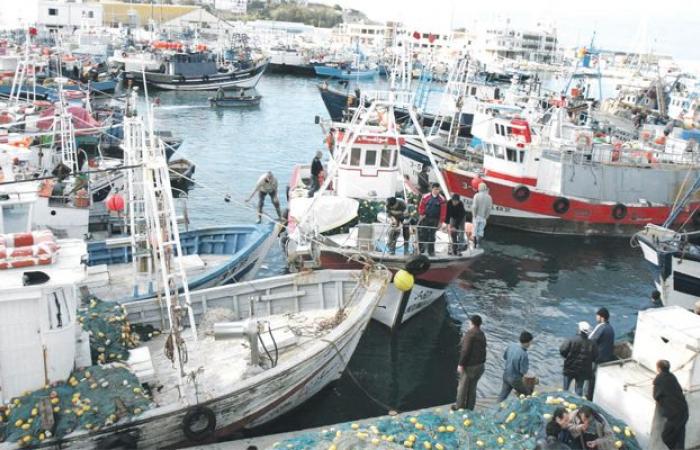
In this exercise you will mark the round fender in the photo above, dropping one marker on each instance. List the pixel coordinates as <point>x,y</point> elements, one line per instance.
<point>561,205</point>
<point>192,429</point>
<point>619,211</point>
<point>521,193</point>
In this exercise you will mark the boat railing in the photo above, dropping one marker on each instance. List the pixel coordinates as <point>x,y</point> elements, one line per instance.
<point>397,98</point>
<point>621,155</point>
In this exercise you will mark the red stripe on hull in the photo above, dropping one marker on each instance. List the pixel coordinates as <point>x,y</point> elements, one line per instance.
<point>440,274</point>
<point>542,204</point>
<point>522,180</point>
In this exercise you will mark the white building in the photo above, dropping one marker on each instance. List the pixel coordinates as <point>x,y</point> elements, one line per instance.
<point>233,6</point>
<point>507,42</point>
<point>51,13</point>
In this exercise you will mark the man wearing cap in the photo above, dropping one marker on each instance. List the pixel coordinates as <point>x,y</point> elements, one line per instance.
<point>396,210</point>
<point>432,210</point>
<point>517,365</point>
<point>455,218</point>
<point>579,354</point>
<point>672,405</point>
<point>471,364</point>
<point>603,336</point>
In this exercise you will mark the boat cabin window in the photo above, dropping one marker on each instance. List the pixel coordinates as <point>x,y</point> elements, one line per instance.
<point>473,92</point>
<point>386,160</point>
<point>14,218</point>
<point>370,157</point>
<point>499,151</point>
<point>58,310</point>
<point>522,155</point>
<point>511,155</point>
<point>355,156</point>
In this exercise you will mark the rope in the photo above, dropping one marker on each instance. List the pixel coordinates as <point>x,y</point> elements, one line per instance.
<point>355,380</point>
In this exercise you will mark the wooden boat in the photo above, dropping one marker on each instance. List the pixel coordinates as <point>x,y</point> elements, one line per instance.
<point>181,176</point>
<point>213,256</point>
<point>235,101</point>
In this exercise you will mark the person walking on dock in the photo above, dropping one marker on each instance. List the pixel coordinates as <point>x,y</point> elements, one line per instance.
<point>517,365</point>
<point>481,210</point>
<point>672,405</point>
<point>267,185</point>
<point>471,364</point>
<point>603,336</point>
<point>316,171</point>
<point>396,210</point>
<point>432,210</point>
<point>579,354</point>
<point>455,219</point>
<point>424,180</point>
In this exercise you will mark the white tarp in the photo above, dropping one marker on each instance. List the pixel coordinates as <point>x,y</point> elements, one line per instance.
<point>322,213</point>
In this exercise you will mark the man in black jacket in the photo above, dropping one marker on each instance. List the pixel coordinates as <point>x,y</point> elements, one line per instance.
<point>579,354</point>
<point>471,364</point>
<point>672,405</point>
<point>316,169</point>
<point>455,218</point>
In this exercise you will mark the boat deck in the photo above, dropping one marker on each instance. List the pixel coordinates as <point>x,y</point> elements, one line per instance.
<point>115,282</point>
<point>220,364</point>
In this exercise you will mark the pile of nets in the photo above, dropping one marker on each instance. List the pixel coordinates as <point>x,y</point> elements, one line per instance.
<point>92,398</point>
<point>111,335</point>
<point>368,209</point>
<point>513,425</point>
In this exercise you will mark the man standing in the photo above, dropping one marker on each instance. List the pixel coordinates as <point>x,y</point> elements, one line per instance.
<point>424,180</point>
<point>396,210</point>
<point>579,354</point>
<point>455,218</point>
<point>672,405</point>
<point>471,364</point>
<point>517,365</point>
<point>316,170</point>
<point>603,336</point>
<point>267,185</point>
<point>481,210</point>
<point>432,211</point>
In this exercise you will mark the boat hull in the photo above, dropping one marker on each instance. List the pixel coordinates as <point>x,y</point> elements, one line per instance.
<point>537,214</point>
<point>292,69</point>
<point>335,72</point>
<point>244,79</point>
<point>397,307</point>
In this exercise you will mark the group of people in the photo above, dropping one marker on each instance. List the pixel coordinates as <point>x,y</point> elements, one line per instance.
<point>435,212</point>
<point>582,353</point>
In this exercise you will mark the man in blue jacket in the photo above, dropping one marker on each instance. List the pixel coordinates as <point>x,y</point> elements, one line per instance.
<point>517,365</point>
<point>603,336</point>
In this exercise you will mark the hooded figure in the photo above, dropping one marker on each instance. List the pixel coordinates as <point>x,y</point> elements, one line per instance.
<point>579,354</point>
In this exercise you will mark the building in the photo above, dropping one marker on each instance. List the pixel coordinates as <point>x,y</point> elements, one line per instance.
<point>507,42</point>
<point>51,13</point>
<point>364,35</point>
<point>166,16</point>
<point>239,7</point>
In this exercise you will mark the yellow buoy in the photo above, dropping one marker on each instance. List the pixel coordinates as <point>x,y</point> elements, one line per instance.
<point>467,422</point>
<point>442,429</point>
<point>427,445</point>
<point>450,428</point>
<point>510,417</point>
<point>618,444</point>
<point>500,440</point>
<point>403,281</point>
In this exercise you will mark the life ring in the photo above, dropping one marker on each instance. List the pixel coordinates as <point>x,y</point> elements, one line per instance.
<point>561,205</point>
<point>194,415</point>
<point>521,193</point>
<point>583,140</point>
<point>616,153</point>
<point>619,211</point>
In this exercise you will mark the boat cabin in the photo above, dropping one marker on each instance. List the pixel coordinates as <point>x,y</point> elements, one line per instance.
<point>370,169</point>
<point>38,304</point>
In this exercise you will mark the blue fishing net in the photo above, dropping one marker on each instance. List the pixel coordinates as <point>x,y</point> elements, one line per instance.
<point>89,400</point>
<point>515,424</point>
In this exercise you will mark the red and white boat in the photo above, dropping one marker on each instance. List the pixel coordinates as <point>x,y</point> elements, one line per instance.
<point>365,167</point>
<point>559,178</point>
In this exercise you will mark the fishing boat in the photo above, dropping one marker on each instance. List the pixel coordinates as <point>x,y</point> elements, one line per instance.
<point>241,100</point>
<point>181,176</point>
<point>307,324</point>
<point>201,72</point>
<point>212,257</point>
<point>322,234</point>
<point>561,178</point>
<point>289,60</point>
<point>345,71</point>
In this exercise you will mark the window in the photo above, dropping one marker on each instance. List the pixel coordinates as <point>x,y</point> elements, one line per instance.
<point>355,157</point>
<point>386,158</point>
<point>473,90</point>
<point>499,151</point>
<point>522,155</point>
<point>53,11</point>
<point>370,157</point>
<point>511,155</point>
<point>498,130</point>
<point>91,14</point>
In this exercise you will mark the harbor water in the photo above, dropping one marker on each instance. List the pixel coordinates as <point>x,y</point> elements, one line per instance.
<point>544,284</point>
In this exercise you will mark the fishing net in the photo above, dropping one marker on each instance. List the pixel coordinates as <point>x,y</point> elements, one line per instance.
<point>513,425</point>
<point>91,398</point>
<point>111,334</point>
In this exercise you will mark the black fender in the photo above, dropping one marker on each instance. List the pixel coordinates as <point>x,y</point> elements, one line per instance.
<point>194,415</point>
<point>619,211</point>
<point>521,193</point>
<point>561,205</point>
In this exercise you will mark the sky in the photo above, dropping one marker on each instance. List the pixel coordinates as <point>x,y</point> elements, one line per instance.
<point>670,27</point>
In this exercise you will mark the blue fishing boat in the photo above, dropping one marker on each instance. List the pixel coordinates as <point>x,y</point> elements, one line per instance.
<point>212,257</point>
<point>345,71</point>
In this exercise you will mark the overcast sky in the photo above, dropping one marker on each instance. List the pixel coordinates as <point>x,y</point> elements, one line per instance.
<point>672,26</point>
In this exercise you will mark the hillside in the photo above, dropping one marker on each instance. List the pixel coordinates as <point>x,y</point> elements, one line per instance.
<point>314,14</point>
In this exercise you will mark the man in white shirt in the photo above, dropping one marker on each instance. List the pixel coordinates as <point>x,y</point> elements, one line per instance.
<point>267,185</point>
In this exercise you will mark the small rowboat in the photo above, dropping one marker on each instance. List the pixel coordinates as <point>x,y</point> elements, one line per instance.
<point>236,101</point>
